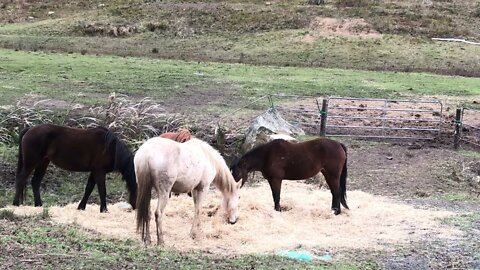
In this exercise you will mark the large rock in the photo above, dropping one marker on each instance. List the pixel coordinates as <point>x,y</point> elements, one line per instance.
<point>269,126</point>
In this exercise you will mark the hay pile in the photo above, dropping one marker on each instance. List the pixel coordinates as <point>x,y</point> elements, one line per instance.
<point>372,221</point>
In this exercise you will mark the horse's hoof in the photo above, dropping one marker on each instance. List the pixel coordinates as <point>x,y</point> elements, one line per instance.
<point>336,212</point>
<point>104,210</point>
<point>16,204</point>
<point>80,207</point>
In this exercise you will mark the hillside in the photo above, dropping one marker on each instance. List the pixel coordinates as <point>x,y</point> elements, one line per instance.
<point>366,34</point>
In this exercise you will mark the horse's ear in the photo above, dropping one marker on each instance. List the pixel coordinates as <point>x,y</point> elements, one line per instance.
<point>239,184</point>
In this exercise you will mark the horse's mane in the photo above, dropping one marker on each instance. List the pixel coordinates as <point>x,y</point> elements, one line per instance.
<point>224,179</point>
<point>122,153</point>
<point>123,161</point>
<point>182,135</point>
<point>256,153</point>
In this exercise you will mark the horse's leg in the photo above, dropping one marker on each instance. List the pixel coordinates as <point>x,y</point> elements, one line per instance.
<point>333,182</point>
<point>37,180</point>
<point>162,202</point>
<point>102,190</point>
<point>20,184</point>
<point>276,187</point>
<point>198,196</point>
<point>88,190</point>
<point>163,195</point>
<point>21,181</point>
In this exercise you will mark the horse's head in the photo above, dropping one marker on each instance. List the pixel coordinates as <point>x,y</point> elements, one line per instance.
<point>123,162</point>
<point>239,171</point>
<point>128,174</point>
<point>230,204</point>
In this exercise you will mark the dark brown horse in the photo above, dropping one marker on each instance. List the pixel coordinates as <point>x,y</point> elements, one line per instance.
<point>97,150</point>
<point>279,159</point>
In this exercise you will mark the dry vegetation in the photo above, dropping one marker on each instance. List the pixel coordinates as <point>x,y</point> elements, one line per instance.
<point>134,121</point>
<point>307,223</point>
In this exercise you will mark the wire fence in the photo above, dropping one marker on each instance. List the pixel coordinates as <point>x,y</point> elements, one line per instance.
<point>359,117</point>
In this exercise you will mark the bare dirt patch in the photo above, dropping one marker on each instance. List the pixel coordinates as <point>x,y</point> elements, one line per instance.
<point>372,223</point>
<point>352,27</point>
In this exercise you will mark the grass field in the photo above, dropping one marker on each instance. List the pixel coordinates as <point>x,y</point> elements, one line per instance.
<point>256,33</point>
<point>65,76</point>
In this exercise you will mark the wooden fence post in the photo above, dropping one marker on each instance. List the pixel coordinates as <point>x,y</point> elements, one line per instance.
<point>220,139</point>
<point>323,117</point>
<point>458,129</point>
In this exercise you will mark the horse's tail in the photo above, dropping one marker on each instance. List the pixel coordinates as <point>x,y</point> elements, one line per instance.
<point>144,194</point>
<point>20,164</point>
<point>343,180</point>
<point>20,152</point>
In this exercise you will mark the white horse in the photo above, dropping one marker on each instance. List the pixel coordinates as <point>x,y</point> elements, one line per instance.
<point>169,166</point>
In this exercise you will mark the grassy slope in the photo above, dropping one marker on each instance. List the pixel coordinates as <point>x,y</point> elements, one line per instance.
<point>252,32</point>
<point>64,76</point>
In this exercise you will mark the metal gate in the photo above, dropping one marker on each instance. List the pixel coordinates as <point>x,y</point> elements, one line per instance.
<point>384,118</point>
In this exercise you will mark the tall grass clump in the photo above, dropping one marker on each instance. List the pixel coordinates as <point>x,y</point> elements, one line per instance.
<point>134,121</point>
<point>16,117</point>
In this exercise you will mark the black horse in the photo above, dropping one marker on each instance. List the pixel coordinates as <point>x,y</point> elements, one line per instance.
<point>280,159</point>
<point>97,150</point>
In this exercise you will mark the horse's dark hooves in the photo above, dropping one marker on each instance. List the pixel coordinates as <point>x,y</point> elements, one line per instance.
<point>80,207</point>
<point>336,212</point>
<point>104,210</point>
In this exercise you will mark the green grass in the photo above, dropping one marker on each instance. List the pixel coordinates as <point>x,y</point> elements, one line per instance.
<point>280,48</point>
<point>470,153</point>
<point>7,215</point>
<point>88,79</point>
<point>458,197</point>
<point>8,153</point>
<point>466,221</point>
